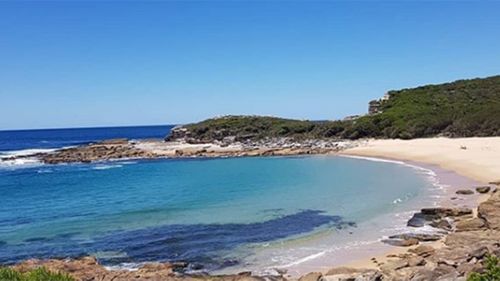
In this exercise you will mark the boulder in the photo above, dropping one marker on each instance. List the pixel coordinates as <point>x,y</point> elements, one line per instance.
<point>490,211</point>
<point>422,274</point>
<point>470,224</point>
<point>352,274</point>
<point>479,252</point>
<point>345,270</point>
<point>416,261</point>
<point>442,224</point>
<point>452,276</point>
<point>394,265</point>
<point>417,220</point>
<point>311,276</point>
<point>465,268</point>
<point>401,242</point>
<point>444,270</point>
<point>423,250</point>
<point>464,192</point>
<point>424,237</point>
<point>468,238</point>
<point>483,189</point>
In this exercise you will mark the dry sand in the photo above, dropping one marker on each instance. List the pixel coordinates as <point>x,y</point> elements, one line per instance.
<point>477,158</point>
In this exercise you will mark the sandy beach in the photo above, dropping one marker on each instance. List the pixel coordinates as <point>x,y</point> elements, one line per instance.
<point>477,158</point>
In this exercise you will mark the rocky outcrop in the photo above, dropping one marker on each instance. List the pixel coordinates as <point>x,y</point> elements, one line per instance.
<point>312,276</point>
<point>490,211</point>
<point>470,225</point>
<point>102,151</point>
<point>88,269</point>
<point>468,242</point>
<point>438,217</point>
<point>146,149</point>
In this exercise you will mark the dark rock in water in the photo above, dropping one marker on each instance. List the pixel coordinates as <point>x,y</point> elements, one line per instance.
<point>195,266</point>
<point>418,236</point>
<point>231,262</point>
<point>483,189</point>
<point>179,266</point>
<point>435,216</point>
<point>418,220</point>
<point>464,192</point>
<point>401,242</point>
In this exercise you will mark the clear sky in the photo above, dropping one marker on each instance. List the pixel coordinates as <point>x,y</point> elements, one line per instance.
<point>74,64</point>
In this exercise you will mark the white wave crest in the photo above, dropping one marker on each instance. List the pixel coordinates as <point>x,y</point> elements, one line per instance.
<point>24,152</point>
<point>106,167</point>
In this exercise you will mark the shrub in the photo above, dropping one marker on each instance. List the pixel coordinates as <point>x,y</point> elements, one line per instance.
<point>491,273</point>
<point>39,274</point>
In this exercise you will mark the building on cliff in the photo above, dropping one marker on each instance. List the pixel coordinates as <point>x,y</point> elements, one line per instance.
<point>374,106</point>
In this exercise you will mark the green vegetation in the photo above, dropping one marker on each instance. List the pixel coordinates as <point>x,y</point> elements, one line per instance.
<point>462,108</point>
<point>491,273</point>
<point>39,274</point>
<point>249,127</point>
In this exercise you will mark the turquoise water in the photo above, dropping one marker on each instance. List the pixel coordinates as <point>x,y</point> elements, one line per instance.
<point>198,210</point>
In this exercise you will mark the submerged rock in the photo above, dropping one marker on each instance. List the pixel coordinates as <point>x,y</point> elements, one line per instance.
<point>464,192</point>
<point>483,189</point>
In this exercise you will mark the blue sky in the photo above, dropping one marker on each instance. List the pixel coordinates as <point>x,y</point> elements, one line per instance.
<point>74,64</point>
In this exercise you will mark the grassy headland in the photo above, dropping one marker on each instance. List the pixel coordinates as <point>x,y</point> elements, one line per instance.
<point>463,108</point>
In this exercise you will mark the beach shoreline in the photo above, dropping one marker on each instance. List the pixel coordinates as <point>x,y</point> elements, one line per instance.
<point>443,156</point>
<point>447,180</point>
<point>444,185</point>
<point>437,154</point>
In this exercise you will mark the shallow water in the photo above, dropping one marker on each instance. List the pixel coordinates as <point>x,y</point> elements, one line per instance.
<point>212,212</point>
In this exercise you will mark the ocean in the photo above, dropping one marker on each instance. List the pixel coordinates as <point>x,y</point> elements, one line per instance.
<point>216,214</point>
